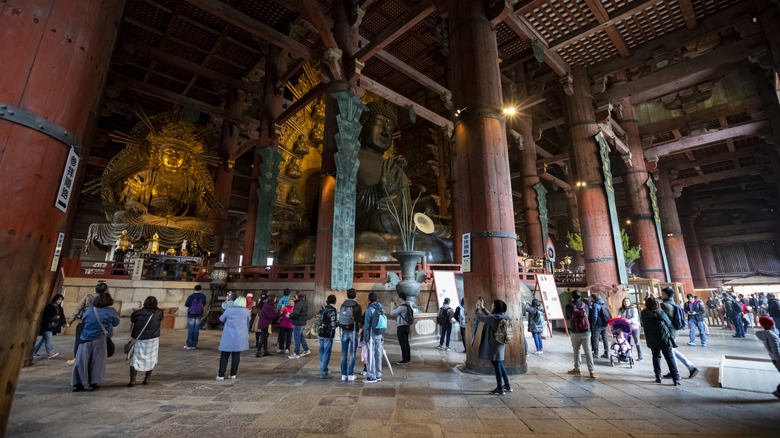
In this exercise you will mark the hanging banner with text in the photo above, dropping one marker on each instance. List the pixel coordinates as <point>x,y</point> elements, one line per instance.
<point>465,250</point>
<point>67,181</point>
<point>606,166</point>
<point>57,252</point>
<point>657,218</point>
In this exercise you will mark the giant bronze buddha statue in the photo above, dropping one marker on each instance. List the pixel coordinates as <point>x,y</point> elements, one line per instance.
<point>381,179</point>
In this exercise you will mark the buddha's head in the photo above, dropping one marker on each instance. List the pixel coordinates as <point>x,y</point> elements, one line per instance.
<point>379,123</point>
<point>172,158</point>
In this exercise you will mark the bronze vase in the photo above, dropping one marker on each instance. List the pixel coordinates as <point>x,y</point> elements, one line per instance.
<point>408,283</point>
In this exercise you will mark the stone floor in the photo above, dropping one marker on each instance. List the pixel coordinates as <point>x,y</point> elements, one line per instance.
<point>276,396</point>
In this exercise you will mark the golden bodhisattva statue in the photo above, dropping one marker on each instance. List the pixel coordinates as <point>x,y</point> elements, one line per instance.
<point>160,179</point>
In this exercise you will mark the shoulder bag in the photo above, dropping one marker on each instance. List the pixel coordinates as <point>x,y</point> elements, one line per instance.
<point>109,343</point>
<point>129,348</point>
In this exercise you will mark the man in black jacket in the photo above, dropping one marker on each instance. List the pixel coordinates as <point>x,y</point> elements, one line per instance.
<point>326,334</point>
<point>299,316</point>
<point>773,308</point>
<point>696,313</point>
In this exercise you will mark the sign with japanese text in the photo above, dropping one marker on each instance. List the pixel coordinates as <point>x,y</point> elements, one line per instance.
<point>57,252</point>
<point>465,258</point>
<point>68,181</point>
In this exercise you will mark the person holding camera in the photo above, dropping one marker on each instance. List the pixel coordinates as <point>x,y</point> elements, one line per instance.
<point>489,347</point>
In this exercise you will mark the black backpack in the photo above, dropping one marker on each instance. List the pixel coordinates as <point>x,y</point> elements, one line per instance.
<point>442,318</point>
<point>678,317</point>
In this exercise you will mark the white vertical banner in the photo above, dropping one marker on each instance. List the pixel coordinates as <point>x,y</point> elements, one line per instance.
<point>68,180</point>
<point>138,268</point>
<point>57,252</point>
<point>465,258</point>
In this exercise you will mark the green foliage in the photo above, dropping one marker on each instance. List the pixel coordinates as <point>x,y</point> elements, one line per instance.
<point>631,254</point>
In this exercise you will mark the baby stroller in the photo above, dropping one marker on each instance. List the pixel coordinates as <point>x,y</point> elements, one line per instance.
<point>620,350</point>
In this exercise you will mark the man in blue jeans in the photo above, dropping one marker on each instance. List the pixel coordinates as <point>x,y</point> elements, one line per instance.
<point>696,313</point>
<point>195,304</point>
<point>299,316</point>
<point>327,333</point>
<point>350,316</point>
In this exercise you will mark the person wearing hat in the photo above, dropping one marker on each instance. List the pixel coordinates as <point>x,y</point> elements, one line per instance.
<point>771,342</point>
<point>83,305</point>
<point>489,348</point>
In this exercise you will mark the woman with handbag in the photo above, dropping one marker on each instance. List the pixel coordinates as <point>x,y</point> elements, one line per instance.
<point>99,322</point>
<point>146,333</point>
<point>53,318</point>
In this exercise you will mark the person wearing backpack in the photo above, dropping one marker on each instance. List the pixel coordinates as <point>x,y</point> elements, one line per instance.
<point>734,314</point>
<point>677,317</point>
<point>444,319</point>
<point>576,313</point>
<point>329,322</point>
<point>491,346</point>
<point>299,316</point>
<point>404,318</point>
<point>460,316</point>
<point>536,323</point>
<point>696,313</point>
<point>350,316</point>
<point>195,304</point>
<point>373,338</point>
<point>658,334</point>
<point>599,321</point>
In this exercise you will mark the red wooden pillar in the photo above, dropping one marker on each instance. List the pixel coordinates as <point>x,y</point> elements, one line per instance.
<point>273,98</point>
<point>533,227</point>
<point>54,64</point>
<point>482,189</point>
<point>699,278</point>
<point>642,229</point>
<point>223,180</point>
<point>670,224</point>
<point>597,243</point>
<point>708,261</point>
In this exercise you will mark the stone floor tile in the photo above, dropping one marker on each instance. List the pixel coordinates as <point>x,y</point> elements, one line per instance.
<point>498,426</point>
<point>545,426</point>
<point>591,426</point>
<point>461,413</point>
<point>535,413</point>
<point>636,425</point>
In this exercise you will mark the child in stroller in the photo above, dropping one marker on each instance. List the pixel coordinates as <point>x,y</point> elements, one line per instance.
<point>621,342</point>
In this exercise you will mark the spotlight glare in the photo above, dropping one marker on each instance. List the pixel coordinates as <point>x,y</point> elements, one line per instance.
<point>509,111</point>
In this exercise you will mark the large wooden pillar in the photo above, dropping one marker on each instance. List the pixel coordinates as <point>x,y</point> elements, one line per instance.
<point>597,242</point>
<point>534,241</point>
<point>670,223</point>
<point>688,223</point>
<point>482,188</point>
<point>223,179</point>
<point>642,229</point>
<point>54,64</point>
<point>273,98</point>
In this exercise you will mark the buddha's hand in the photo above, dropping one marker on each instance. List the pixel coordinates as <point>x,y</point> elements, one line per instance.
<point>392,174</point>
<point>137,207</point>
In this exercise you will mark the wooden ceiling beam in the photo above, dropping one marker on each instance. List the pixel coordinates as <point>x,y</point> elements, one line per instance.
<point>750,151</point>
<point>602,16</point>
<point>717,176</point>
<point>301,103</point>
<point>561,183</point>
<point>170,96</point>
<point>390,33</point>
<point>749,104</point>
<point>413,74</point>
<point>193,68</point>
<point>741,238</point>
<point>688,13</point>
<point>679,38</point>
<point>682,74</point>
<point>681,145</point>
<point>317,18</point>
<point>525,31</point>
<point>255,27</point>
<point>627,11</point>
<point>550,124</point>
<point>402,101</point>
<point>552,159</point>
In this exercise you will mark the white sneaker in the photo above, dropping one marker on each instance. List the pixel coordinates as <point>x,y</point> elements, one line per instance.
<point>306,353</point>
<point>278,351</point>
<point>293,356</point>
<point>233,377</point>
<point>343,377</point>
<point>53,354</point>
<point>220,378</point>
<point>37,356</point>
<point>287,351</point>
<point>364,373</point>
<point>351,378</point>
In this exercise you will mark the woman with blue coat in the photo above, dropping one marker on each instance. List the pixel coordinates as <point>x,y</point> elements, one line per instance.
<point>235,336</point>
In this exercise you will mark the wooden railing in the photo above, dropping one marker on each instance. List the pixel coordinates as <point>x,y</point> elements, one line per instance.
<point>363,273</point>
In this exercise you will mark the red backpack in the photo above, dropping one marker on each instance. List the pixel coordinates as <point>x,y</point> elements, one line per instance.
<point>579,319</point>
